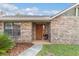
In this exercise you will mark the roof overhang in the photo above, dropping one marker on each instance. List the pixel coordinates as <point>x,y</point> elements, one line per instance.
<point>60,13</point>
<point>33,19</point>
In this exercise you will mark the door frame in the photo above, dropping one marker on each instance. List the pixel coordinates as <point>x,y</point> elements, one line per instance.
<point>34,29</point>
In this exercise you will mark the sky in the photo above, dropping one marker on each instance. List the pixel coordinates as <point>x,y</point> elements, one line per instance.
<point>33,9</point>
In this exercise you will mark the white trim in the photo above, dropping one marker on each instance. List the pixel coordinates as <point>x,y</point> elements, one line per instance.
<point>24,18</point>
<point>76,11</point>
<point>63,11</point>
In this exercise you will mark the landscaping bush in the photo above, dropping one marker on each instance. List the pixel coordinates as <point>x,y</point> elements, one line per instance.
<point>5,43</point>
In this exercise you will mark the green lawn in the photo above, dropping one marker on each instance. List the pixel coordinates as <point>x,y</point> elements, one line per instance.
<point>59,50</point>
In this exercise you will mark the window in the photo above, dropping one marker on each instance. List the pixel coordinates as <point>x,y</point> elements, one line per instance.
<point>12,29</point>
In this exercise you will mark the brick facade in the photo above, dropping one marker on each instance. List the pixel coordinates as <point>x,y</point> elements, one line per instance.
<point>1,27</point>
<point>26,31</point>
<point>65,30</point>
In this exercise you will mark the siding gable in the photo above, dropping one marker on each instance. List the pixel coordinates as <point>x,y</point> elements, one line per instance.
<point>71,12</point>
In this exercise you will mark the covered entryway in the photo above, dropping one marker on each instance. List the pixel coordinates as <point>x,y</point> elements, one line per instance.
<point>41,31</point>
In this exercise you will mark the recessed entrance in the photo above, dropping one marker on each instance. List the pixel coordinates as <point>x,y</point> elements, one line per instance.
<point>41,31</point>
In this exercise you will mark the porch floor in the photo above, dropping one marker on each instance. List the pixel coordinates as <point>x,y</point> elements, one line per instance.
<point>41,42</point>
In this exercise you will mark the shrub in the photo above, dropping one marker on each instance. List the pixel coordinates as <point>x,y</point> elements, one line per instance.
<point>5,43</point>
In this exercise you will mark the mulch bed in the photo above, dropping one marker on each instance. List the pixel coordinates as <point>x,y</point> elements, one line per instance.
<point>20,47</point>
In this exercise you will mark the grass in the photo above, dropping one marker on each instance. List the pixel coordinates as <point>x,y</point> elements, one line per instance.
<point>59,50</point>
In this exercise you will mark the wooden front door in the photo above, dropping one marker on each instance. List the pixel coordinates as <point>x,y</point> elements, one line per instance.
<point>39,31</point>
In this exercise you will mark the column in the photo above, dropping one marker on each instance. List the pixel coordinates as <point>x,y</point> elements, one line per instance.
<point>76,11</point>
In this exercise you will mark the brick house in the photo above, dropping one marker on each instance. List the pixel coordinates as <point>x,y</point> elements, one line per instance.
<point>63,28</point>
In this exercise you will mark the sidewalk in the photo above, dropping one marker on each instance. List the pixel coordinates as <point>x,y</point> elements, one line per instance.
<point>32,51</point>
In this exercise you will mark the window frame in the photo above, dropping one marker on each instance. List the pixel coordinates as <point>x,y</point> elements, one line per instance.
<point>13,29</point>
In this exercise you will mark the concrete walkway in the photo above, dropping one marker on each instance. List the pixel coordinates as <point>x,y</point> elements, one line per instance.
<point>32,51</point>
<point>41,42</point>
